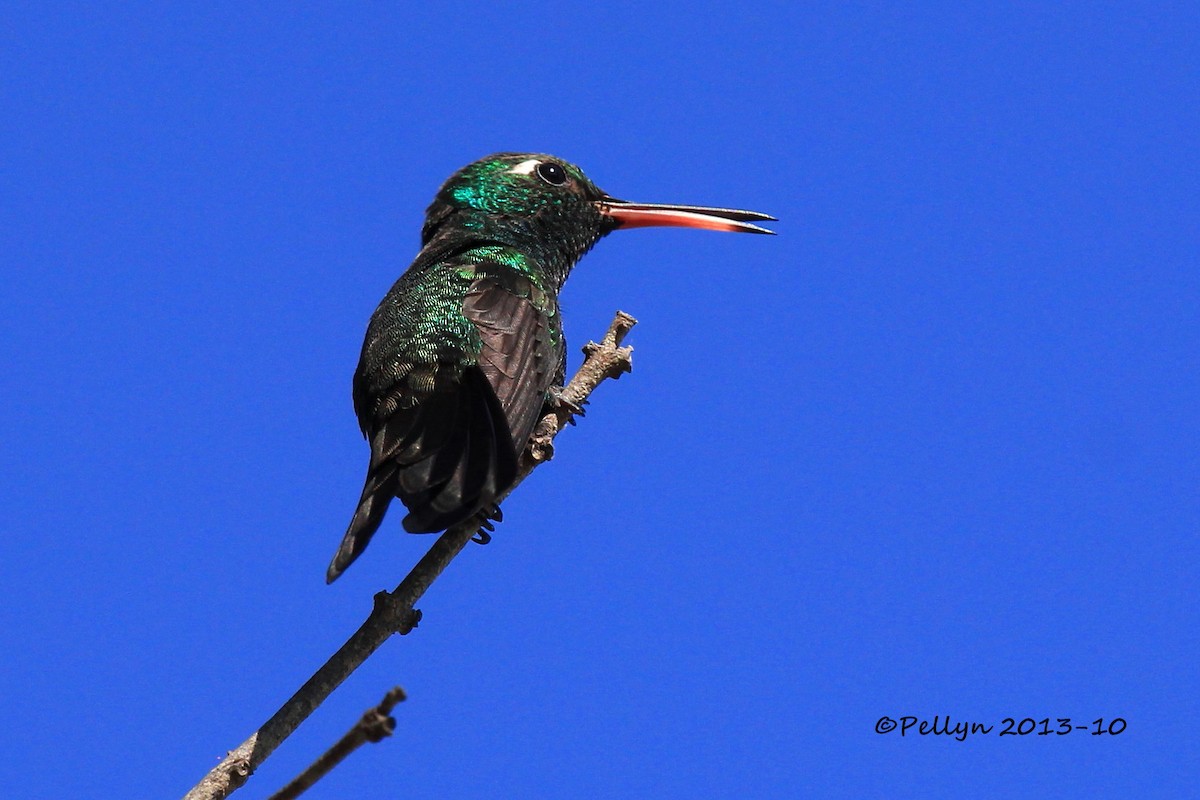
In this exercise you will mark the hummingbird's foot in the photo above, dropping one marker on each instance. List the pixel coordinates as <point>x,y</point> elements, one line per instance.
<point>486,517</point>
<point>557,400</point>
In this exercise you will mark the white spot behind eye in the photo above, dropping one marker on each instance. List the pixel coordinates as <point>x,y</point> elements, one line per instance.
<point>526,167</point>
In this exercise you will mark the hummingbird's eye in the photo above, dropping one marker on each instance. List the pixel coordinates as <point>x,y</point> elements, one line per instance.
<point>552,173</point>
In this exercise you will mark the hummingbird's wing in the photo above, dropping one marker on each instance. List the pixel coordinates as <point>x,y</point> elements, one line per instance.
<point>468,439</point>
<point>520,352</point>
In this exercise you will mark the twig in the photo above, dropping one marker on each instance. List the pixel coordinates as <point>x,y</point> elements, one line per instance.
<point>394,611</point>
<point>375,725</point>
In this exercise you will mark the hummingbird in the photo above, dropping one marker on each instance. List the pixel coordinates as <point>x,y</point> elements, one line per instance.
<point>465,352</point>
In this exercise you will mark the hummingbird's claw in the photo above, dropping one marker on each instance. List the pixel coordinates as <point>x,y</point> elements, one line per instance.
<point>556,400</point>
<point>486,517</point>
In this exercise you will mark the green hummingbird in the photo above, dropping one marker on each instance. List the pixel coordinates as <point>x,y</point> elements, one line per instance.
<point>465,352</point>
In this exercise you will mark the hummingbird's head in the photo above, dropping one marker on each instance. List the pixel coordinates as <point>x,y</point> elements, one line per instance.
<point>547,206</point>
<point>524,200</point>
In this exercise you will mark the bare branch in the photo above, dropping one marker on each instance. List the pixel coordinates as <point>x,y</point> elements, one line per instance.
<point>374,726</point>
<point>394,611</point>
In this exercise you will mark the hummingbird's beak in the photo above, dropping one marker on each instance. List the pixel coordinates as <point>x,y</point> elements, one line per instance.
<point>646,215</point>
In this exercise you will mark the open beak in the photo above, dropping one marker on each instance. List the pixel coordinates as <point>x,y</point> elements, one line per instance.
<point>646,215</point>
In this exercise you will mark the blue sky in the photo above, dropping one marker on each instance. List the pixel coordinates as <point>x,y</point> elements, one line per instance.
<point>930,451</point>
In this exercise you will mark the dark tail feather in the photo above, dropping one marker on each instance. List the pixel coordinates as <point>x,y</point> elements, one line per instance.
<point>447,458</point>
<point>376,495</point>
<point>482,464</point>
<point>475,466</point>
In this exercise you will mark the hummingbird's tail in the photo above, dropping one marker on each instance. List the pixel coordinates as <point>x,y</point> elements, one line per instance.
<point>447,458</point>
<point>471,464</point>
<point>377,494</point>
